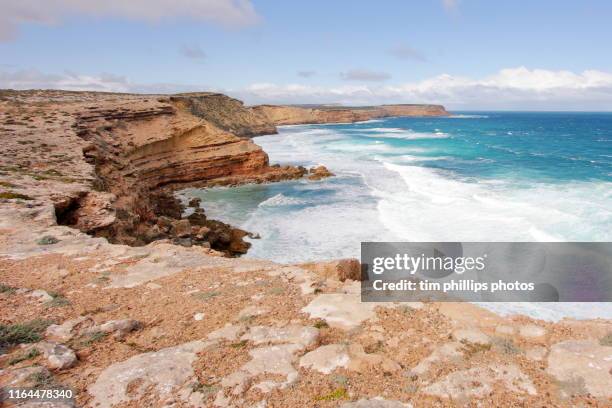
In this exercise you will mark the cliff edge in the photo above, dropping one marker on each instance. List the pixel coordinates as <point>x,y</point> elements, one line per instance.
<point>298,115</point>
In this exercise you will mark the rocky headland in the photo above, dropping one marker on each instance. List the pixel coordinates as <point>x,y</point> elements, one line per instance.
<point>106,289</point>
<point>306,114</point>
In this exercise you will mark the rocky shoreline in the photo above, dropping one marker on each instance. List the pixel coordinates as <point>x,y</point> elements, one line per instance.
<point>107,290</point>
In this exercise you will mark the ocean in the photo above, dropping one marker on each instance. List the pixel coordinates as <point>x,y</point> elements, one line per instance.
<point>473,176</point>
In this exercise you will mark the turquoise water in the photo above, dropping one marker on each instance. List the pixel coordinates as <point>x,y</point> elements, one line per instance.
<point>486,176</point>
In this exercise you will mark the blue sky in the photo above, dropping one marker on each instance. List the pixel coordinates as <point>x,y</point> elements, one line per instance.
<point>467,54</point>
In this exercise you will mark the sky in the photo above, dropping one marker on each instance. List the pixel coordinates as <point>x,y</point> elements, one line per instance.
<point>465,54</point>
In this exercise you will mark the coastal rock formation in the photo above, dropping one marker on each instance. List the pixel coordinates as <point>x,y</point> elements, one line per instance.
<point>295,115</point>
<point>110,162</point>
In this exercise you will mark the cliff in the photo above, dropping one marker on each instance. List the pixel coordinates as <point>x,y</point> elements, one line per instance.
<point>294,115</point>
<point>124,154</point>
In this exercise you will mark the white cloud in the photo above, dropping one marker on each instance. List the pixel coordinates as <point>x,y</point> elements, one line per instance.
<point>225,12</point>
<point>510,88</point>
<point>364,75</point>
<point>34,79</point>
<point>450,5</point>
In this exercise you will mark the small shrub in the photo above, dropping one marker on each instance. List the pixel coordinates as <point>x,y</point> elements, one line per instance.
<point>471,349</point>
<point>506,346</point>
<point>47,240</point>
<point>204,388</point>
<point>205,295</point>
<point>58,300</point>
<point>321,324</point>
<point>240,344</point>
<point>606,340</point>
<point>7,289</point>
<point>18,333</point>
<point>338,393</point>
<point>14,196</point>
<point>42,379</point>
<point>32,353</point>
<point>89,339</point>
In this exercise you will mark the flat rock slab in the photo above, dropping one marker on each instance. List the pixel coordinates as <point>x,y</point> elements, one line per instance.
<point>583,362</point>
<point>341,310</point>
<point>375,403</point>
<point>446,352</point>
<point>471,336</point>
<point>227,332</point>
<point>478,382</point>
<point>164,372</point>
<point>326,359</point>
<point>275,360</point>
<point>295,334</point>
<point>532,331</point>
<point>164,260</point>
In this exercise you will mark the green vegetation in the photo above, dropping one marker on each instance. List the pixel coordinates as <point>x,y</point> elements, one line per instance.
<point>9,290</point>
<point>204,388</point>
<point>47,240</point>
<point>606,340</point>
<point>29,332</point>
<point>506,346</point>
<point>338,393</point>
<point>470,349</point>
<point>89,339</point>
<point>30,354</point>
<point>42,379</point>
<point>240,344</point>
<point>321,324</point>
<point>205,295</point>
<point>8,195</point>
<point>58,300</point>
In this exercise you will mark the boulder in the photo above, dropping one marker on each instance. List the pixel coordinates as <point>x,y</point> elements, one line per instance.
<point>119,328</point>
<point>318,173</point>
<point>181,228</point>
<point>584,362</point>
<point>194,202</point>
<point>58,356</point>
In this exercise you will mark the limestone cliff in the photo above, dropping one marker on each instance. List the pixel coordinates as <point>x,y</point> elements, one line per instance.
<point>294,115</point>
<point>131,151</point>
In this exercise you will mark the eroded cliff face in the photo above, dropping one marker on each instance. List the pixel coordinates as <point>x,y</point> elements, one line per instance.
<point>294,115</point>
<point>131,151</point>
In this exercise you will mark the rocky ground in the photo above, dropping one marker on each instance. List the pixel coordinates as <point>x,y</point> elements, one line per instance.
<point>167,324</point>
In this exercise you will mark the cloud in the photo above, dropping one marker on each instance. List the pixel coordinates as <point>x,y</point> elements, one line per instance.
<point>307,74</point>
<point>511,88</point>
<point>34,79</point>
<point>224,12</point>
<point>364,75</point>
<point>517,88</point>
<point>193,52</point>
<point>450,5</point>
<point>404,51</point>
